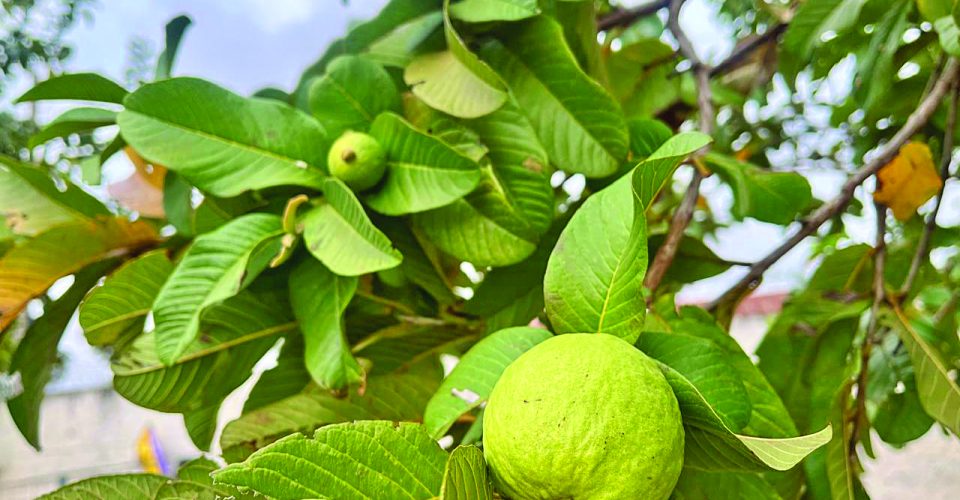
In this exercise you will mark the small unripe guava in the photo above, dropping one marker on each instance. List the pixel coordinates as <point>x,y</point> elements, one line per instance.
<point>585,417</point>
<point>358,160</point>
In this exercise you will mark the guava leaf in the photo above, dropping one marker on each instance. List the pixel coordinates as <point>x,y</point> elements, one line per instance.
<point>174,31</point>
<point>115,311</point>
<point>653,173</point>
<point>76,86</point>
<point>694,260</point>
<point>938,391</point>
<point>339,234</point>
<point>73,121</point>
<point>594,277</point>
<point>29,268</point>
<point>482,11</point>
<point>319,298</point>
<point>31,202</point>
<point>475,375</point>
<point>401,346</point>
<point>339,460</point>
<point>202,132</point>
<point>578,123</point>
<point>775,197</point>
<point>465,477</point>
<point>513,295</point>
<point>420,264</point>
<point>128,486</point>
<point>36,355</point>
<point>398,47</point>
<point>702,363</point>
<point>698,484</point>
<point>455,81</point>
<point>352,92</point>
<point>949,32</point>
<point>510,138</point>
<point>498,224</point>
<point>422,171</point>
<point>235,334</point>
<point>647,135</point>
<point>710,445</point>
<point>214,268</point>
<point>816,17</point>
<point>841,471</point>
<point>398,397</point>
<point>287,378</point>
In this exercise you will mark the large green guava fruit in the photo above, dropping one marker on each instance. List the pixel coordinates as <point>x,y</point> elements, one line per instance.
<point>583,416</point>
<point>357,159</point>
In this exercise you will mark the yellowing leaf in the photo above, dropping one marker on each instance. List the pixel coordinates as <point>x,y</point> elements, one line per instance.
<point>908,181</point>
<point>142,191</point>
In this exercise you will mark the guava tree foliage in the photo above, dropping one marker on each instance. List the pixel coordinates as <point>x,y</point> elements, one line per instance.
<point>528,191</point>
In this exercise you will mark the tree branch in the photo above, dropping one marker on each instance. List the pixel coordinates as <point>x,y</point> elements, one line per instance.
<point>625,17</point>
<point>684,213</point>
<point>923,246</point>
<point>879,261</point>
<point>917,119</point>
<point>743,51</point>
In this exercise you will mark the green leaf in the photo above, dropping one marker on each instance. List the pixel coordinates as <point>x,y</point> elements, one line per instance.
<point>475,375</point>
<point>73,121</point>
<point>510,138</point>
<point>594,278</point>
<point>235,334</point>
<point>513,295</point>
<point>455,81</point>
<point>498,224</point>
<point>36,355</point>
<point>174,34</point>
<point>465,477</point>
<point>29,268</point>
<point>841,467</point>
<point>710,445</point>
<point>372,459</point>
<point>31,202</point>
<point>399,47</point>
<point>654,172</point>
<point>580,125</point>
<point>705,366</point>
<point>814,18</point>
<point>352,92</point>
<point>949,35</point>
<point>938,390</point>
<point>204,133</point>
<point>78,86</point>
<point>878,58</point>
<point>340,234</point>
<point>115,311</point>
<point>647,135</point>
<point>697,484</point>
<point>126,486</point>
<point>420,263</point>
<point>212,269</point>
<point>288,378</point>
<point>694,260</point>
<point>403,346</point>
<point>423,172</point>
<point>319,298</point>
<point>482,11</point>
<point>396,397</point>
<point>775,197</point>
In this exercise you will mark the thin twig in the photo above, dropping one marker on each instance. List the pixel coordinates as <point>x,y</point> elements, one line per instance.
<point>626,17</point>
<point>743,51</point>
<point>923,246</point>
<point>684,213</point>
<point>945,309</point>
<point>879,261</point>
<point>825,212</point>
